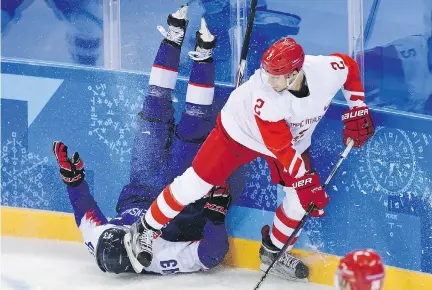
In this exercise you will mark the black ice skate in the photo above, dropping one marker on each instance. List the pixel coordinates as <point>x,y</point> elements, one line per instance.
<point>288,267</point>
<point>139,244</point>
<point>177,23</point>
<point>205,42</point>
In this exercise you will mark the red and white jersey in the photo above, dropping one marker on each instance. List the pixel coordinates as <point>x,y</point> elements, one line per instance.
<point>168,257</point>
<point>280,125</point>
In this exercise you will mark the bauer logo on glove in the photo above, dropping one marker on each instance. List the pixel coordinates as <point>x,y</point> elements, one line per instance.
<point>358,126</point>
<point>302,182</point>
<point>310,190</point>
<point>355,113</point>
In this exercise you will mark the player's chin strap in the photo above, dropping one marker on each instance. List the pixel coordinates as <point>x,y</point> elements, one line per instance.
<point>292,81</point>
<point>310,209</point>
<point>136,265</point>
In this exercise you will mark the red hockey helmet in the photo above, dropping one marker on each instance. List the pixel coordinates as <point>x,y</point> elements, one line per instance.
<point>283,57</point>
<point>360,270</point>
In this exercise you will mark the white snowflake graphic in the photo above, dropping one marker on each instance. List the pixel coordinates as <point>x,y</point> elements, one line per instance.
<point>259,187</point>
<point>114,117</point>
<point>22,174</point>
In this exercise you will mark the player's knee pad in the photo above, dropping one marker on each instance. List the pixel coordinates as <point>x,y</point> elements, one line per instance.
<point>189,187</point>
<point>291,204</point>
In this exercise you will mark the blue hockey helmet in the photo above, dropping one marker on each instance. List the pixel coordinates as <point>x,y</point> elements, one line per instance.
<point>111,255</point>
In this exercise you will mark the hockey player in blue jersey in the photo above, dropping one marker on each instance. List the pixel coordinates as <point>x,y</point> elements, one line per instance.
<point>197,239</point>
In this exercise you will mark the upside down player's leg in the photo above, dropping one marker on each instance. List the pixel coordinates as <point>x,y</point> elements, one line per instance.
<point>189,135</point>
<point>195,124</point>
<point>149,172</point>
<point>151,169</point>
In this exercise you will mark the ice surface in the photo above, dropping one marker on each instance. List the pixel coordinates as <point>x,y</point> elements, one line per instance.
<point>42,264</point>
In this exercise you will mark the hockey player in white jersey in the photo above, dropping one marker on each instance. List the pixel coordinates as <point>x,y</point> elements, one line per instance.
<point>197,239</point>
<point>272,115</point>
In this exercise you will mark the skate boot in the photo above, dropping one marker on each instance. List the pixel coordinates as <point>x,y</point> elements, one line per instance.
<point>177,23</point>
<point>287,267</point>
<point>141,242</point>
<point>205,42</point>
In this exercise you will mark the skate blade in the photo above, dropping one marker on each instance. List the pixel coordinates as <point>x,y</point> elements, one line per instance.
<point>206,35</point>
<point>264,267</point>
<point>181,13</point>
<point>128,245</point>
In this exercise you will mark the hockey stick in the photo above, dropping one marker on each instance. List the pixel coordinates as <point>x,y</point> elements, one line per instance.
<point>370,23</point>
<point>310,209</point>
<point>245,47</point>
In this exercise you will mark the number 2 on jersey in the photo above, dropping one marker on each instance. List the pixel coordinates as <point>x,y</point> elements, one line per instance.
<point>259,104</point>
<point>337,65</point>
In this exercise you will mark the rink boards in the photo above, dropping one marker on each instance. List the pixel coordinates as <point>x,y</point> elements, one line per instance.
<point>243,253</point>
<point>372,205</point>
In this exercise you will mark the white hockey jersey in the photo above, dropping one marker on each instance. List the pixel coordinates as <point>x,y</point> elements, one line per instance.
<point>280,125</point>
<point>168,257</point>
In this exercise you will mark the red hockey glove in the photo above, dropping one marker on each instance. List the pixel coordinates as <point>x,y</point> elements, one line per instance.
<point>357,125</point>
<point>71,170</point>
<point>309,189</point>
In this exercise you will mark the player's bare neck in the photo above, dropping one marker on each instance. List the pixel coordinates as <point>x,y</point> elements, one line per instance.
<point>301,89</point>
